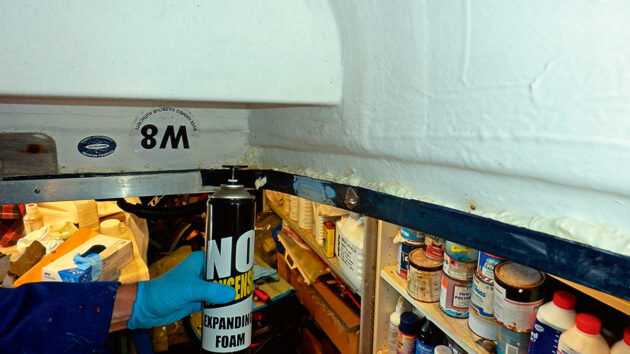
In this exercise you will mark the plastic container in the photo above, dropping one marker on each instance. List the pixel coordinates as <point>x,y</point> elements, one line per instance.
<point>552,319</point>
<point>329,239</point>
<point>583,337</point>
<point>407,333</point>
<point>33,220</point>
<point>394,322</point>
<point>349,236</point>
<point>87,214</point>
<point>510,342</point>
<point>623,346</point>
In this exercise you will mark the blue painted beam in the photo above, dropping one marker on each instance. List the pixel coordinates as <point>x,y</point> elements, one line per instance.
<point>581,263</point>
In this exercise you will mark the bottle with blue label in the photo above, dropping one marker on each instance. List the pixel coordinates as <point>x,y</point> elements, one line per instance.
<point>552,319</point>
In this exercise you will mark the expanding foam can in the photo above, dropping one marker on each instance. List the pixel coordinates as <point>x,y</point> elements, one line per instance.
<point>229,260</point>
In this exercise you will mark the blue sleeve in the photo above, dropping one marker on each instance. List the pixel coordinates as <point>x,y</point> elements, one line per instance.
<point>54,317</point>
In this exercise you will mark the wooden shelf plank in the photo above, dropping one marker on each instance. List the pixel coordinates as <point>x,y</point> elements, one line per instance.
<point>457,329</point>
<point>612,301</point>
<point>309,239</point>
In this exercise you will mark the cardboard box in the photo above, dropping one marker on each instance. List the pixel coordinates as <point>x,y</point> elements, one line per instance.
<point>115,252</point>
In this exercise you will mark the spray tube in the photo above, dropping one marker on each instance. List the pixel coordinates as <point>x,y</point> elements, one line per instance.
<point>230,260</point>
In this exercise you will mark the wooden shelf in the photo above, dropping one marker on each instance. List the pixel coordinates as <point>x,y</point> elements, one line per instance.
<point>307,236</point>
<point>612,301</point>
<point>457,329</point>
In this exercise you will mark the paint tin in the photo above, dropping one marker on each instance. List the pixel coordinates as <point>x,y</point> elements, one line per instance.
<point>457,269</point>
<point>455,296</point>
<point>424,277</point>
<point>461,252</point>
<point>518,294</point>
<point>434,246</point>
<point>509,342</point>
<point>481,320</point>
<point>408,245</point>
<point>486,265</point>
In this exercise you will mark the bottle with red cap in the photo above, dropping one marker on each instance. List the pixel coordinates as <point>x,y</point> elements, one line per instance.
<point>623,346</point>
<point>552,319</point>
<point>584,337</point>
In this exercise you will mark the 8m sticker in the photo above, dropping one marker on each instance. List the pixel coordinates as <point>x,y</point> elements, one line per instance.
<point>164,129</point>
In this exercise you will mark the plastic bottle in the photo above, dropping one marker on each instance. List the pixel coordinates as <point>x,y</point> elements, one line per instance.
<point>584,337</point>
<point>442,349</point>
<point>407,333</point>
<point>623,346</point>
<point>33,220</point>
<point>394,322</point>
<point>552,319</point>
<point>429,337</point>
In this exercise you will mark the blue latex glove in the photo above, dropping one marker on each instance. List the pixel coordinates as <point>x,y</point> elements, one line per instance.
<point>176,294</point>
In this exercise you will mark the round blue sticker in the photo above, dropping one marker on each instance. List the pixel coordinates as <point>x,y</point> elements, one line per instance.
<point>97,146</point>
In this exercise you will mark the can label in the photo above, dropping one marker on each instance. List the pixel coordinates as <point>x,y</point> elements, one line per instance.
<point>481,299</point>
<point>455,297</point>
<point>424,285</point>
<point>485,266</point>
<point>227,328</point>
<point>461,296</point>
<point>513,315</point>
<point>461,252</point>
<point>435,247</point>
<point>458,269</point>
<point>544,339</point>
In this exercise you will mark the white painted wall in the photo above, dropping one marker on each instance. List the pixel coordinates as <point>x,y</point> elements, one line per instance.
<point>519,108</point>
<point>221,136</point>
<point>271,51</point>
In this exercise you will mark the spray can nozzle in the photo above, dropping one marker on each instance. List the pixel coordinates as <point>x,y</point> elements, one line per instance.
<point>233,169</point>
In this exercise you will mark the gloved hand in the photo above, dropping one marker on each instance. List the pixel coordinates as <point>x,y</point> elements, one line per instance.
<point>176,294</point>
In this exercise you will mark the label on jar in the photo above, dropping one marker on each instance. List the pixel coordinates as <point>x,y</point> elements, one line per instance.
<point>485,266</point>
<point>481,298</point>
<point>424,285</point>
<point>515,316</point>
<point>458,269</point>
<point>461,296</point>
<point>543,339</point>
<point>406,343</point>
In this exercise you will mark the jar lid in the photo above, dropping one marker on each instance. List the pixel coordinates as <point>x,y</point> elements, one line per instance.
<point>409,323</point>
<point>564,300</point>
<point>518,275</point>
<point>419,259</point>
<point>588,323</point>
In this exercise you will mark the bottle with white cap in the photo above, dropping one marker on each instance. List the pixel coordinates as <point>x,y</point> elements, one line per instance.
<point>33,220</point>
<point>583,337</point>
<point>394,322</point>
<point>442,349</point>
<point>552,319</point>
<point>623,346</point>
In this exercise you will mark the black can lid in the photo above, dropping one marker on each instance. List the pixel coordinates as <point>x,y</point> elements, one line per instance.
<point>409,323</point>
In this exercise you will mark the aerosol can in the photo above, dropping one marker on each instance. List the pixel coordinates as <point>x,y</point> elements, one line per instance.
<point>229,260</point>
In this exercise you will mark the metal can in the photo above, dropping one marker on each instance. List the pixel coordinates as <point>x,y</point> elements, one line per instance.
<point>486,265</point>
<point>518,294</point>
<point>434,246</point>
<point>458,269</point>
<point>481,320</point>
<point>455,296</point>
<point>424,277</point>
<point>230,258</point>
<point>461,252</point>
<point>404,248</point>
<point>509,342</point>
